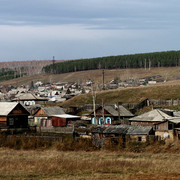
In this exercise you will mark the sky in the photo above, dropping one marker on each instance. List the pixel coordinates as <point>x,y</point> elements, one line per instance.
<point>76,29</point>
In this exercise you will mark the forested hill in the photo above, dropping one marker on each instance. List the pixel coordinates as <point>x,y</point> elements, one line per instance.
<point>146,60</point>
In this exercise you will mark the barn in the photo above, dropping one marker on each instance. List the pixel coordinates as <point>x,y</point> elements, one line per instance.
<point>13,115</point>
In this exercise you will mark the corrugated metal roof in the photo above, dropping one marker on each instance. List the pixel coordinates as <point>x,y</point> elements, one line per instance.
<point>176,113</point>
<point>7,107</point>
<point>155,115</point>
<point>175,120</point>
<point>119,129</point>
<point>56,110</point>
<point>66,116</point>
<point>139,130</point>
<point>123,111</point>
<point>128,129</point>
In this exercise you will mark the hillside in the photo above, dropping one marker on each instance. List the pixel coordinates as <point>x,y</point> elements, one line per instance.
<point>169,73</point>
<point>129,95</point>
<point>144,60</point>
<point>14,69</point>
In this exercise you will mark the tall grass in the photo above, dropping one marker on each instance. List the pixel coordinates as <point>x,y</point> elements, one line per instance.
<point>26,142</point>
<point>53,164</point>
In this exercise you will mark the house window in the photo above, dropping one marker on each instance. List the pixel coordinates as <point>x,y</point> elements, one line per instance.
<point>101,121</point>
<point>11,121</point>
<point>139,139</point>
<point>170,126</point>
<point>108,120</point>
<point>93,120</point>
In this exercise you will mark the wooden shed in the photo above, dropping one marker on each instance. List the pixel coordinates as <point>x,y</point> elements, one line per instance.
<point>43,116</point>
<point>13,115</point>
<point>63,119</point>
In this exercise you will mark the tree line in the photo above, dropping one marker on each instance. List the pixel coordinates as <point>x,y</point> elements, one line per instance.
<point>7,74</point>
<point>145,60</point>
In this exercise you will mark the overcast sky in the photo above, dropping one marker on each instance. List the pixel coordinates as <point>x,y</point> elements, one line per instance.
<point>72,29</point>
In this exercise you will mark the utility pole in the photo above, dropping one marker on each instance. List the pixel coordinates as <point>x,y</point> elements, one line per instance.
<point>145,64</point>
<point>103,79</point>
<point>94,104</point>
<point>53,61</point>
<point>103,111</point>
<point>119,113</point>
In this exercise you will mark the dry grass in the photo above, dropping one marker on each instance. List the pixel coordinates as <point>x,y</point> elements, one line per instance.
<point>169,73</point>
<point>52,164</point>
<point>129,95</point>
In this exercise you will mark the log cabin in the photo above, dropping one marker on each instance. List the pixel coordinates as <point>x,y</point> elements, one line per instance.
<point>13,115</point>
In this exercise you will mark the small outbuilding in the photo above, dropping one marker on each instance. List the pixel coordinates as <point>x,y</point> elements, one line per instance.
<point>43,116</point>
<point>168,129</point>
<point>135,132</point>
<point>64,119</point>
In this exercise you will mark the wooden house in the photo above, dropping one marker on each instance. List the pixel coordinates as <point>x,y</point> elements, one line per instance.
<point>150,118</point>
<point>43,117</point>
<point>13,115</point>
<point>111,114</point>
<point>168,128</point>
<point>29,99</point>
<point>135,132</point>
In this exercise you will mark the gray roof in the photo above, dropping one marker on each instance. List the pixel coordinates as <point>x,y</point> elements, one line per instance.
<point>175,120</point>
<point>155,115</point>
<point>29,96</point>
<point>139,130</point>
<point>114,111</point>
<point>128,129</point>
<point>56,110</point>
<point>119,129</point>
<point>176,114</point>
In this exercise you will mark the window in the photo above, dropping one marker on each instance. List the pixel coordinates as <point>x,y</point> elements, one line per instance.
<point>93,120</point>
<point>108,120</point>
<point>139,139</point>
<point>101,121</point>
<point>11,121</point>
<point>170,126</point>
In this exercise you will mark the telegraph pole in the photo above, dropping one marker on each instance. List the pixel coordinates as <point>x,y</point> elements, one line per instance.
<point>53,61</point>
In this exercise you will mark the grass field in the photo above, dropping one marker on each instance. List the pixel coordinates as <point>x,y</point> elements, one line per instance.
<point>53,164</point>
<point>169,73</point>
<point>129,95</point>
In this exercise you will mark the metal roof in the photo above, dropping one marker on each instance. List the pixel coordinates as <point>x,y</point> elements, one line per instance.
<point>124,130</point>
<point>139,130</point>
<point>29,96</point>
<point>175,120</point>
<point>119,129</point>
<point>155,115</point>
<point>67,116</point>
<point>114,111</point>
<point>7,107</point>
<point>56,110</point>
